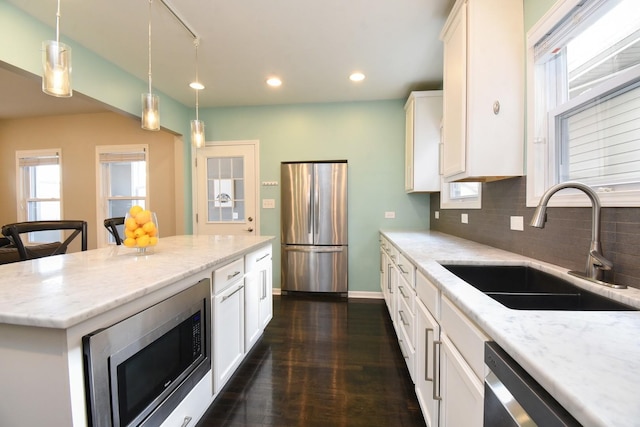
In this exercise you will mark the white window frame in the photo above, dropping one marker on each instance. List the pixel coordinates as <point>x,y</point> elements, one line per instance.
<point>21,191</point>
<point>102,235</point>
<point>465,202</point>
<point>541,150</point>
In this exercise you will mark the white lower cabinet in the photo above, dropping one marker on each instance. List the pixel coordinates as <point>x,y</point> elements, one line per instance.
<point>258,295</point>
<point>194,405</point>
<point>461,391</point>
<point>427,332</point>
<point>228,321</point>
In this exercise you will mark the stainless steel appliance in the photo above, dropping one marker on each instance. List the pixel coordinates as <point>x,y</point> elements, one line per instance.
<point>513,399</point>
<point>314,226</point>
<point>138,370</point>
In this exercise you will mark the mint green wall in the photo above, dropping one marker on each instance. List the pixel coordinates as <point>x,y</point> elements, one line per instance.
<point>534,10</point>
<point>92,76</point>
<point>369,135</point>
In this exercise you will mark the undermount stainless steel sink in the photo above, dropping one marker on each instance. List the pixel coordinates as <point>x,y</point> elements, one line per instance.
<point>526,288</point>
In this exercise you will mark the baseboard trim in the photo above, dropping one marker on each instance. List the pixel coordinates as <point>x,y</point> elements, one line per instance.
<point>351,294</point>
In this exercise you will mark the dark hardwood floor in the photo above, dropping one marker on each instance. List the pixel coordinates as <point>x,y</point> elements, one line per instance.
<point>321,362</point>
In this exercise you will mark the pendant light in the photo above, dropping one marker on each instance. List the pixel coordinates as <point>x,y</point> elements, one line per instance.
<point>56,64</point>
<point>150,114</point>
<point>197,125</point>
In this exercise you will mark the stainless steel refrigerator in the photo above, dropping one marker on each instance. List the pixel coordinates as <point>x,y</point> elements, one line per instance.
<point>314,227</point>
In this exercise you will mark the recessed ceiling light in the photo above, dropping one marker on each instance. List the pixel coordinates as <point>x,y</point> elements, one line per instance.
<point>274,81</point>
<point>196,85</point>
<point>356,77</point>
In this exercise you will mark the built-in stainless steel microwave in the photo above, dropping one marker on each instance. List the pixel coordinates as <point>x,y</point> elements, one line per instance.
<point>138,370</point>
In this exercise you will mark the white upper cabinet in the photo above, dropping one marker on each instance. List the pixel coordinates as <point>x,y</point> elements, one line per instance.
<point>483,102</point>
<point>422,139</point>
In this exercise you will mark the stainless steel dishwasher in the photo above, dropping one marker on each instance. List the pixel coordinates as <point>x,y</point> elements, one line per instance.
<point>513,398</point>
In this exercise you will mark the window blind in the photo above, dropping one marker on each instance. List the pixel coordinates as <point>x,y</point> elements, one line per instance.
<point>39,160</point>
<point>122,157</point>
<point>602,145</point>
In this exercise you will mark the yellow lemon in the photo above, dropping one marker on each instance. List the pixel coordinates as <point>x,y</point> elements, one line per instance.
<point>129,233</point>
<point>138,232</point>
<point>149,228</point>
<point>135,210</point>
<point>130,223</point>
<point>153,241</point>
<point>143,217</point>
<point>142,241</point>
<point>129,242</point>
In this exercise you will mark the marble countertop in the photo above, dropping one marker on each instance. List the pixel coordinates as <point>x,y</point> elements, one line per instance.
<point>62,291</point>
<point>589,361</point>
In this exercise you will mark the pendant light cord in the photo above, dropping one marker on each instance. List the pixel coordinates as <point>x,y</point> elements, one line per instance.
<point>150,1</point>
<point>196,42</point>
<point>58,23</point>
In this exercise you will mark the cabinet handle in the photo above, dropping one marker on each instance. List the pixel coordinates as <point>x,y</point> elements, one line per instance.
<point>186,421</point>
<point>231,276</point>
<point>402,318</point>
<point>496,107</point>
<point>426,354</point>
<point>264,284</point>
<point>262,257</point>
<point>402,269</point>
<point>435,371</point>
<point>400,288</point>
<point>226,297</point>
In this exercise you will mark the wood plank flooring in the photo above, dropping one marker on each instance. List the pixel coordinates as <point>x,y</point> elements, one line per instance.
<point>321,362</point>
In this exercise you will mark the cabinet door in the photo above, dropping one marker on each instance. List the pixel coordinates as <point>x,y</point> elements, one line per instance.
<point>408,145</point>
<point>265,279</point>
<point>252,297</point>
<point>427,331</point>
<point>461,391</point>
<point>228,333</point>
<point>455,93</point>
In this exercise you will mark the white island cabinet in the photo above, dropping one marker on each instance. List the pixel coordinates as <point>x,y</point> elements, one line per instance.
<point>258,284</point>
<point>47,305</point>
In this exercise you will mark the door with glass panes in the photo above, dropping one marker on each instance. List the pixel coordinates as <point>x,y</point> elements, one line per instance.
<point>226,196</point>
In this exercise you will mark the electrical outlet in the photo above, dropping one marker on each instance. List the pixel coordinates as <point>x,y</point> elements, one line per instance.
<point>464,218</point>
<point>517,223</point>
<point>268,203</point>
<point>390,214</point>
<point>437,214</point>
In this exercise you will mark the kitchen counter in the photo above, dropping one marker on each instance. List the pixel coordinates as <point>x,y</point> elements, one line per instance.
<point>62,291</point>
<point>589,361</point>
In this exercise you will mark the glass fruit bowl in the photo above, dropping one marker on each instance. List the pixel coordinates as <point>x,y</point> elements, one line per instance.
<point>140,229</point>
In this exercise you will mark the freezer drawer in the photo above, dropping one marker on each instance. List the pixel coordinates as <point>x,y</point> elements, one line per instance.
<point>314,268</point>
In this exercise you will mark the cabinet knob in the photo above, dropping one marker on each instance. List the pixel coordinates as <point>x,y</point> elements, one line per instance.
<point>496,107</point>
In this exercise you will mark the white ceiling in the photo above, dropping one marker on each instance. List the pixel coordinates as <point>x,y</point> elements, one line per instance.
<point>311,46</point>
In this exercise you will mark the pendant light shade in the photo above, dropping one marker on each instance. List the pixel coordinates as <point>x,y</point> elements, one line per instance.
<point>197,125</point>
<point>197,133</point>
<point>150,113</point>
<point>56,65</point>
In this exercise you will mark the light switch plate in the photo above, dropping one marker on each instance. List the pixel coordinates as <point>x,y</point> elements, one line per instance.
<point>437,214</point>
<point>390,214</point>
<point>464,218</point>
<point>268,203</point>
<point>517,223</point>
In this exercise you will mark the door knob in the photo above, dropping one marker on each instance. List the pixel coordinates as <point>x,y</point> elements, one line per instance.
<point>250,219</point>
<point>250,229</point>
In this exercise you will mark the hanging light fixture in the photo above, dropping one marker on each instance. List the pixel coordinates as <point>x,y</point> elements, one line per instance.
<point>150,114</point>
<point>197,125</point>
<point>56,64</point>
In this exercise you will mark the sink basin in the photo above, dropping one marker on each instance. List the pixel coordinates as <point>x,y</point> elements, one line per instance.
<point>526,288</point>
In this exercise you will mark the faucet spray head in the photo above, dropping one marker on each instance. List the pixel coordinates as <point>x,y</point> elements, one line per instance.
<point>539,216</point>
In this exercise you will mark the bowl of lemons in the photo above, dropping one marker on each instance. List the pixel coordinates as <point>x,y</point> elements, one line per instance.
<point>140,229</point>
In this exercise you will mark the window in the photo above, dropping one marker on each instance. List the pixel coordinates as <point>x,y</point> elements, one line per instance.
<point>461,195</point>
<point>584,101</point>
<point>225,189</point>
<point>122,180</point>
<point>39,190</point>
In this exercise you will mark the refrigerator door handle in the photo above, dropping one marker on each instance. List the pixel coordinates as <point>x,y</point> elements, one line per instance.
<point>316,203</point>
<point>323,249</point>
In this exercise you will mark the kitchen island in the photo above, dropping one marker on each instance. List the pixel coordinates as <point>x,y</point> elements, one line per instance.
<point>47,305</point>
<point>589,361</point>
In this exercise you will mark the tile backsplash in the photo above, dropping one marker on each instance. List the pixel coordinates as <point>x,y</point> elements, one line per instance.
<point>565,239</point>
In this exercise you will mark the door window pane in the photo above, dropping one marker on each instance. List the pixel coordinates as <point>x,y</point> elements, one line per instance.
<point>225,189</point>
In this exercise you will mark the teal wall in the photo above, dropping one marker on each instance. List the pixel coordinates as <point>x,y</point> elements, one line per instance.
<point>534,10</point>
<point>369,135</point>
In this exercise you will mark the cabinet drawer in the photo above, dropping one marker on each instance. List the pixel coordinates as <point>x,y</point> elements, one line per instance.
<point>466,337</point>
<point>429,294</point>
<point>408,352</point>
<point>225,276</point>
<point>257,257</point>
<point>407,270</point>
<point>407,295</point>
